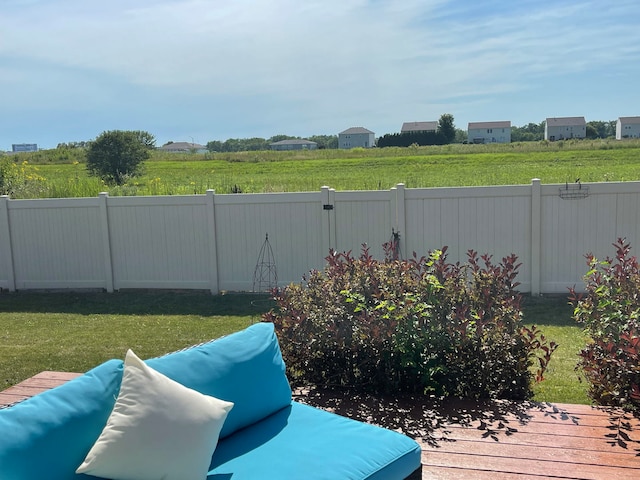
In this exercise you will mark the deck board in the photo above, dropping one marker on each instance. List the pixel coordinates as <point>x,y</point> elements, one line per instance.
<point>34,385</point>
<point>492,440</point>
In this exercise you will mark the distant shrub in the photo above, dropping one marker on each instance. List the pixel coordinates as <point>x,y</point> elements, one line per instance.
<point>420,325</point>
<point>610,311</point>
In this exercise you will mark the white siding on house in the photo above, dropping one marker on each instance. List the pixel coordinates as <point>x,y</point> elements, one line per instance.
<point>294,145</point>
<point>628,127</point>
<point>411,127</point>
<point>356,137</point>
<point>489,132</point>
<point>565,128</point>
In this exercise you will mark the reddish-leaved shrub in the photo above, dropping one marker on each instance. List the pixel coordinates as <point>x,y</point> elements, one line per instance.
<point>421,325</point>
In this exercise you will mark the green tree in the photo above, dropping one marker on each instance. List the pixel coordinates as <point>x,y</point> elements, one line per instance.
<point>446,127</point>
<point>280,137</point>
<point>325,141</point>
<point>461,136</point>
<point>117,155</point>
<point>528,133</point>
<point>592,131</point>
<point>214,146</point>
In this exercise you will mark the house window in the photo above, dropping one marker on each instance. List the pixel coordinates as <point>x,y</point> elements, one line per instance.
<point>489,130</point>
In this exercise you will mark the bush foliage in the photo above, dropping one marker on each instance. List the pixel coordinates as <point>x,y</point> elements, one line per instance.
<point>421,325</point>
<point>117,155</point>
<point>19,180</point>
<point>609,311</point>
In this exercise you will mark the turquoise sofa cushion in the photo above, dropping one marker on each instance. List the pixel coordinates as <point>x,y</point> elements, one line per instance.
<point>245,368</point>
<point>300,441</point>
<point>48,435</point>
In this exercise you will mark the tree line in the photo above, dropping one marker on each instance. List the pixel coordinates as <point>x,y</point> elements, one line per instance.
<point>257,143</point>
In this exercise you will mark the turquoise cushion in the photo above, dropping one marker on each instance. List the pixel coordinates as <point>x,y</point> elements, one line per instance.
<point>304,442</point>
<point>245,368</point>
<point>48,435</point>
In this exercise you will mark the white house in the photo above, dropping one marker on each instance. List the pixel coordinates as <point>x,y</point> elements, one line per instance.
<point>563,128</point>
<point>419,127</point>
<point>356,137</point>
<point>294,144</point>
<point>489,132</point>
<point>628,127</point>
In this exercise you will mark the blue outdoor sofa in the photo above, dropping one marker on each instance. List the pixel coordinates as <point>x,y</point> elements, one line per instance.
<point>264,434</point>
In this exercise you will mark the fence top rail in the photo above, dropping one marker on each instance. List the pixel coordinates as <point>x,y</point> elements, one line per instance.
<point>249,198</point>
<point>469,192</point>
<point>40,203</point>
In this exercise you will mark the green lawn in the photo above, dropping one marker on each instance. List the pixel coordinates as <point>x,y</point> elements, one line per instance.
<point>553,316</point>
<point>77,331</point>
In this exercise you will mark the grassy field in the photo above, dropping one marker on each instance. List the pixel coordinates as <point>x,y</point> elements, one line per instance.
<point>77,331</point>
<point>357,169</point>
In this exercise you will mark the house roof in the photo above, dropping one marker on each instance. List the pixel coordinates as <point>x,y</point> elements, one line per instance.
<point>354,130</point>
<point>565,121</point>
<point>630,120</point>
<point>294,141</point>
<point>474,125</point>
<point>179,146</point>
<point>419,126</point>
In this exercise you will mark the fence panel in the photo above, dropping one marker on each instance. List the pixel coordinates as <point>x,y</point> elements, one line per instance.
<point>159,242</point>
<point>293,223</point>
<point>489,220</point>
<point>362,218</point>
<point>574,227</point>
<point>56,244</point>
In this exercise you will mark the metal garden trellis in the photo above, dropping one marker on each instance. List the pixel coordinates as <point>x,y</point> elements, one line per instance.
<point>265,275</point>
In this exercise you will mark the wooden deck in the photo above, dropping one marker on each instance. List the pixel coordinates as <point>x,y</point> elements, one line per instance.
<point>494,440</point>
<point>34,385</point>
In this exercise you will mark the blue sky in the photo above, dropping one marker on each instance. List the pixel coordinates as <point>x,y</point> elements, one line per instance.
<point>217,69</point>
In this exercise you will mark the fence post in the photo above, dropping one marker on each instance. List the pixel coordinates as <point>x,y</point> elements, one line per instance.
<point>536,235</point>
<point>106,241</point>
<point>214,281</point>
<point>397,212</point>
<point>6,250</point>
<point>327,203</point>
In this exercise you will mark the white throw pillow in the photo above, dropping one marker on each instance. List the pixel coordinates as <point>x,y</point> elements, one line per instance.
<point>158,429</point>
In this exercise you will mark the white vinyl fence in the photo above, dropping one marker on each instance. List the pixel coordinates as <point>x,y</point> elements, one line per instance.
<point>212,241</point>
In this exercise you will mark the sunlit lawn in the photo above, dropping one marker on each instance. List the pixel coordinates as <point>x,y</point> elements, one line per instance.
<point>553,316</point>
<point>77,331</point>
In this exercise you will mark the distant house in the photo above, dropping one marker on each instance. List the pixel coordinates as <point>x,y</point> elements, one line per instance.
<point>564,128</point>
<point>628,127</point>
<point>356,137</point>
<point>489,132</point>
<point>294,144</point>
<point>24,147</point>
<point>419,127</point>
<point>183,147</point>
